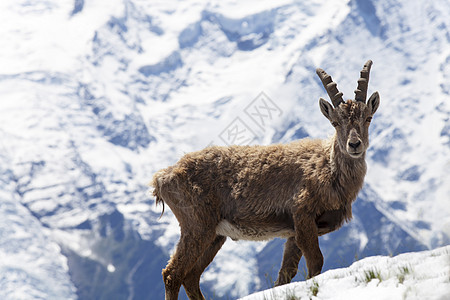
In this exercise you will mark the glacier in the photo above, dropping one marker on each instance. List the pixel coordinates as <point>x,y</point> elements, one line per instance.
<point>96,96</point>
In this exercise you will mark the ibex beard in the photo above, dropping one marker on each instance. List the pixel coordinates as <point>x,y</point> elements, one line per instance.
<point>296,191</point>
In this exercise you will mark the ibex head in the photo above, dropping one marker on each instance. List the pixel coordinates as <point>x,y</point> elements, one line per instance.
<point>351,119</point>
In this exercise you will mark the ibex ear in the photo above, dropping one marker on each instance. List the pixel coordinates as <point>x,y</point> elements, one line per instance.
<point>373,102</point>
<point>325,108</point>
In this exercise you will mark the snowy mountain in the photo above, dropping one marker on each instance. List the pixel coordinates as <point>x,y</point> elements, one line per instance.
<point>98,95</point>
<point>422,275</point>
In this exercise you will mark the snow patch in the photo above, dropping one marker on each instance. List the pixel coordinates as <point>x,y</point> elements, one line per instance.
<point>421,275</point>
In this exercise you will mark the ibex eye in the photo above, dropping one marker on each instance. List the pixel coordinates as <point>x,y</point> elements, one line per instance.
<point>335,124</point>
<point>369,119</point>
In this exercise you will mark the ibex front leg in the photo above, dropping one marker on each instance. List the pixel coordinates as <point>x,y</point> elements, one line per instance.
<point>291,257</point>
<point>308,241</point>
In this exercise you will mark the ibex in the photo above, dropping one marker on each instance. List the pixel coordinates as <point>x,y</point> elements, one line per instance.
<point>296,191</point>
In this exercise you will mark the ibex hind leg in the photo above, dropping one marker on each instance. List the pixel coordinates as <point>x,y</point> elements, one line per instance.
<point>189,249</point>
<point>197,233</point>
<point>191,282</point>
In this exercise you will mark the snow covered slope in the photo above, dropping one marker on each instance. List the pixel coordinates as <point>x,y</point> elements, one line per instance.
<point>95,96</point>
<point>417,275</point>
<point>31,264</point>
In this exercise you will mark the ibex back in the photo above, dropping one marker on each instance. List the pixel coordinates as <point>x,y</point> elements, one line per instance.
<point>297,191</point>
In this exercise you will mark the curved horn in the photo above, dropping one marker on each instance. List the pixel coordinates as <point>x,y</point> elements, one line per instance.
<point>363,82</point>
<point>331,87</point>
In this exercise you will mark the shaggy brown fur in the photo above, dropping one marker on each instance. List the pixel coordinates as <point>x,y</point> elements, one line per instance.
<point>297,191</point>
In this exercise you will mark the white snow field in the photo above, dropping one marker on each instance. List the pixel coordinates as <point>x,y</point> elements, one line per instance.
<point>418,275</point>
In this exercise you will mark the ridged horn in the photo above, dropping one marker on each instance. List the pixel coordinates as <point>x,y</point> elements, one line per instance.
<point>331,87</point>
<point>363,82</point>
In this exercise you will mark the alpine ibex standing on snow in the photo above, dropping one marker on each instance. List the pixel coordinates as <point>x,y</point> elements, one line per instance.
<point>296,191</point>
